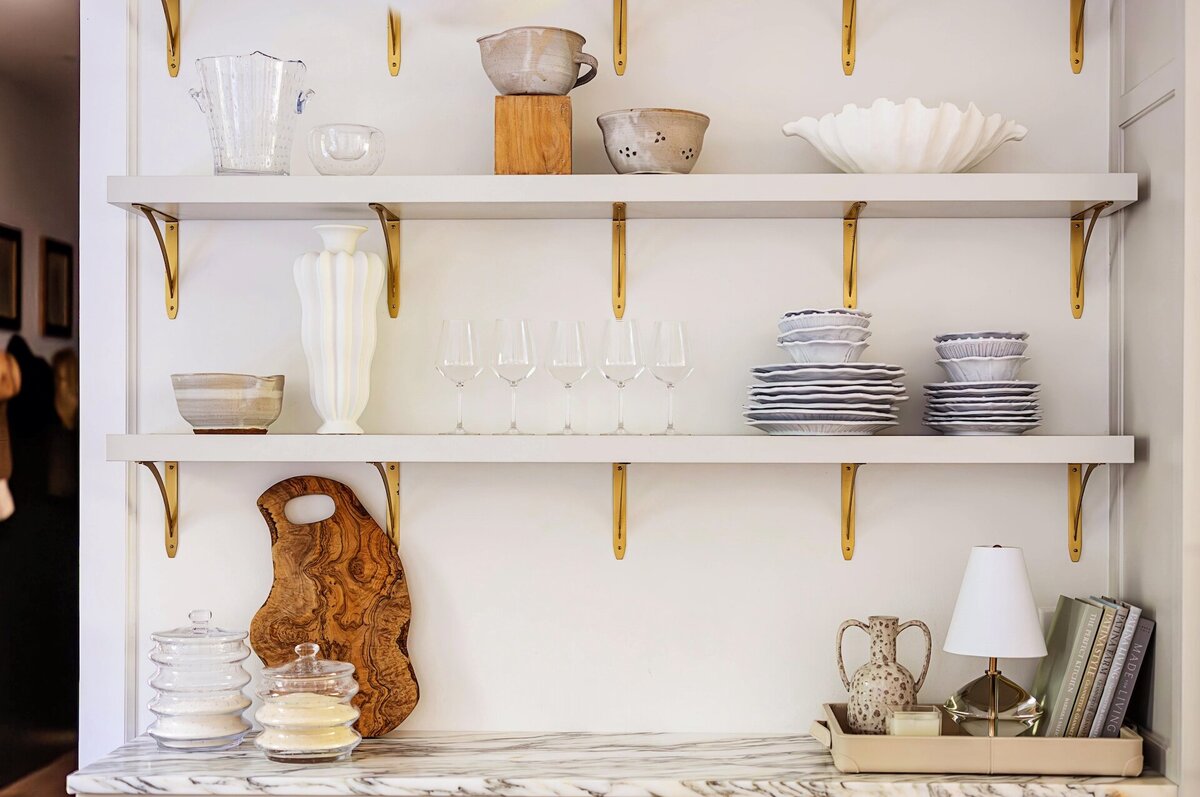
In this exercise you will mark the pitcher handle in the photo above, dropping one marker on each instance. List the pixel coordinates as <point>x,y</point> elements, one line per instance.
<point>928,650</point>
<point>302,98</point>
<point>590,60</point>
<point>201,99</point>
<point>842,630</point>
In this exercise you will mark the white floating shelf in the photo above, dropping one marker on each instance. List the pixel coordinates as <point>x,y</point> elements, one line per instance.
<point>681,449</point>
<point>590,196</point>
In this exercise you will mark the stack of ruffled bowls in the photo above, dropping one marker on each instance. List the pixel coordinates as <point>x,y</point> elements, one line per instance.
<point>825,390</point>
<point>984,395</point>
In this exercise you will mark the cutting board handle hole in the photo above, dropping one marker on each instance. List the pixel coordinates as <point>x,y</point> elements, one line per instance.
<point>308,509</point>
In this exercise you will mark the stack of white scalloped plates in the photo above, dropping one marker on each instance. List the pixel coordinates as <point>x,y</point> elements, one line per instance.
<point>982,408</point>
<point>984,395</point>
<point>825,398</point>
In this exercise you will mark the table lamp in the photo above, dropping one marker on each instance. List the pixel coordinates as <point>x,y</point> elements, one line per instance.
<point>995,618</point>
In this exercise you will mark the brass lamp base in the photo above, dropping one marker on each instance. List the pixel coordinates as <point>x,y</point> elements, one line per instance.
<point>993,705</point>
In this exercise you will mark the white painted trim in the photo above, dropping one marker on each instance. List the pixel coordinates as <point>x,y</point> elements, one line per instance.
<point>107,642</point>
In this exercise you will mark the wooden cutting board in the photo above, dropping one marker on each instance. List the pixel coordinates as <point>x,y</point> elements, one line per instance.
<point>339,582</point>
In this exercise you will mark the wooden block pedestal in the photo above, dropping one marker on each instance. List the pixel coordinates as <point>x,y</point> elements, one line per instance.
<point>533,134</point>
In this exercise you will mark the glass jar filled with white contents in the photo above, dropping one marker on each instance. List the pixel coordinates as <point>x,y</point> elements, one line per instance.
<point>198,701</point>
<point>306,713</point>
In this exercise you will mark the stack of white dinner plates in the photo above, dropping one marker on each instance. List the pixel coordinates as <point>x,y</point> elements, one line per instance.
<point>848,398</point>
<point>984,395</point>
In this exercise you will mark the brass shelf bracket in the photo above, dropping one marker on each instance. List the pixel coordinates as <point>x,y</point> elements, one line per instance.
<point>1077,10</point>
<point>168,244</point>
<point>1081,236</point>
<point>168,486</point>
<point>1077,480</point>
<point>849,34</point>
<point>850,255</point>
<point>620,35</point>
<point>618,260</point>
<point>171,12</point>
<point>620,475</point>
<point>390,473</point>
<point>849,479</point>
<point>393,39</point>
<point>391,236</point>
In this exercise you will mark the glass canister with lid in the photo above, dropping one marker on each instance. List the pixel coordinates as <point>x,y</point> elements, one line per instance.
<point>198,702</point>
<point>306,713</point>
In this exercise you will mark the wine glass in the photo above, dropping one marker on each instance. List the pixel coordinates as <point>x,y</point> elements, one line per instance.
<point>459,359</point>
<point>672,362</point>
<point>514,360</point>
<point>621,361</point>
<point>567,360</point>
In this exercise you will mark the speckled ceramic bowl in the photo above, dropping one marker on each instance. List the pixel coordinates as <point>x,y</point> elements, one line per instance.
<point>653,140</point>
<point>228,403</point>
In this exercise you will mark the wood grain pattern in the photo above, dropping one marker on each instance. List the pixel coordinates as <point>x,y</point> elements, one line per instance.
<point>533,135</point>
<point>339,582</point>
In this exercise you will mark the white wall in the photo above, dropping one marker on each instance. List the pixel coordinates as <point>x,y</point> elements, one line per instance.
<point>723,613</point>
<point>39,148</point>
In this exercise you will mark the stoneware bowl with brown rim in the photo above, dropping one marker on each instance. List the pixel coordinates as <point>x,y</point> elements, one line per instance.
<point>653,140</point>
<point>228,403</point>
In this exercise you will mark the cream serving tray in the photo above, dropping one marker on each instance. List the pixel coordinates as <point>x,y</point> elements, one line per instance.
<point>955,752</point>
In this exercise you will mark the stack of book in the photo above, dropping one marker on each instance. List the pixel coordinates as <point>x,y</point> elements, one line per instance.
<point>1095,650</point>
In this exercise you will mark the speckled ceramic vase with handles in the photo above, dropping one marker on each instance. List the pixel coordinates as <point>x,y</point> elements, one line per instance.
<point>882,681</point>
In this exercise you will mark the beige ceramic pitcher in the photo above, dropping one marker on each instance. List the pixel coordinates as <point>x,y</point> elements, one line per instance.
<point>535,60</point>
<point>882,681</point>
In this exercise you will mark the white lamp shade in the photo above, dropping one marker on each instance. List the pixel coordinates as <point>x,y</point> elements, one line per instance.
<point>996,615</point>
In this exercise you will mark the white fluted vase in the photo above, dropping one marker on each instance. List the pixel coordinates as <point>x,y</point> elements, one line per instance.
<point>339,296</point>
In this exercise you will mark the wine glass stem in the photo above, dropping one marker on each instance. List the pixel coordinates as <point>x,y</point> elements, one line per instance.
<point>567,428</point>
<point>620,408</point>
<point>458,429</point>
<point>670,408</point>
<point>512,422</point>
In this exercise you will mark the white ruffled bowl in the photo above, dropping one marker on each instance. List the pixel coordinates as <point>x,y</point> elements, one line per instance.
<point>981,347</point>
<point>825,351</point>
<point>850,332</point>
<point>983,369</point>
<point>906,139</point>
<point>830,318</point>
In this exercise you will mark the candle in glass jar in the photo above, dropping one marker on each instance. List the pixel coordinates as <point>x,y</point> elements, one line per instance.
<point>914,721</point>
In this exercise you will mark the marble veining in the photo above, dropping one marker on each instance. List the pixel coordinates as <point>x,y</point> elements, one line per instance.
<point>442,764</point>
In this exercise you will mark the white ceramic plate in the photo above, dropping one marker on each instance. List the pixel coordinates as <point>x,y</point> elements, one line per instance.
<point>964,428</point>
<point>983,369</point>
<point>822,427</point>
<point>825,351</point>
<point>827,399</point>
<point>1029,407</point>
<point>849,332</point>
<point>985,415</point>
<point>1014,385</point>
<point>968,335</point>
<point>823,415</point>
<point>878,386</point>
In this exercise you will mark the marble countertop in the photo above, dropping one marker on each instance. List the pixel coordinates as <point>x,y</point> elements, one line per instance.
<point>441,764</point>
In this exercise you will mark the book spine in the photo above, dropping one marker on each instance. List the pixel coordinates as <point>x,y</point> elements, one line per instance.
<point>1110,652</point>
<point>1129,676</point>
<point>1095,654</point>
<point>1114,676</point>
<point>1070,690</point>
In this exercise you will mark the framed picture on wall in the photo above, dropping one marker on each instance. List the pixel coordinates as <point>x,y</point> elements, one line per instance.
<point>58,288</point>
<point>10,278</point>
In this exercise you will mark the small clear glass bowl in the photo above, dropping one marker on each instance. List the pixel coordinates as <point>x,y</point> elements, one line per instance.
<point>345,149</point>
